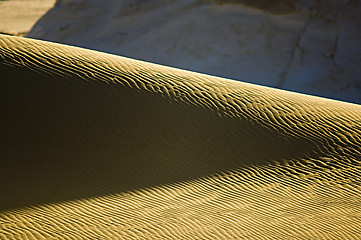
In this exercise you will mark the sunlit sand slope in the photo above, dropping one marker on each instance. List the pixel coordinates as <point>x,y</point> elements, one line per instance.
<point>100,146</point>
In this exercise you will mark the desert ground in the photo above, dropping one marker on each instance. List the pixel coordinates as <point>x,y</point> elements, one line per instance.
<point>100,146</point>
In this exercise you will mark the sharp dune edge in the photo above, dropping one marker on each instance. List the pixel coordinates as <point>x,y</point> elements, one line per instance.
<point>100,146</point>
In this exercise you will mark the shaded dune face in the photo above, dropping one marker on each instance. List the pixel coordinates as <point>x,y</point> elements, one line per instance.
<point>132,149</point>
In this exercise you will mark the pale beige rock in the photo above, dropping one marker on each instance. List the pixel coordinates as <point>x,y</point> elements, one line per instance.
<point>309,46</point>
<point>18,16</point>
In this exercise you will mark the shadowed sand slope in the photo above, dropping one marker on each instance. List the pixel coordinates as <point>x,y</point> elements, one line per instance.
<point>98,146</point>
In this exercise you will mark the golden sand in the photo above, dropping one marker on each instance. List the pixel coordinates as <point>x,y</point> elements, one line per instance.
<point>100,146</point>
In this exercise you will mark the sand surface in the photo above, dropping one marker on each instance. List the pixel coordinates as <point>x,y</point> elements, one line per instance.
<point>99,146</point>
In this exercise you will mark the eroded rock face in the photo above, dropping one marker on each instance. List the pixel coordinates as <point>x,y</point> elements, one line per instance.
<point>272,6</point>
<point>309,46</point>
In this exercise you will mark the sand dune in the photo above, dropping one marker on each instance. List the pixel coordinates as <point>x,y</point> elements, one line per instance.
<point>100,146</point>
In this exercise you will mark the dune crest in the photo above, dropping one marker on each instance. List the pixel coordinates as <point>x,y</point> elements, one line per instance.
<point>98,146</point>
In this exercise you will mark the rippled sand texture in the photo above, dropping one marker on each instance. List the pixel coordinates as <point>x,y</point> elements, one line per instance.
<point>98,146</point>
